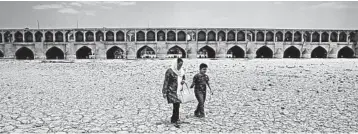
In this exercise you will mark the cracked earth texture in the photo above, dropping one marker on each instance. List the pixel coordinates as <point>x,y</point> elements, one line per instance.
<point>260,95</point>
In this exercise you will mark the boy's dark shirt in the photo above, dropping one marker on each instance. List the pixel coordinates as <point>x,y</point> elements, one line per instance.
<point>200,81</point>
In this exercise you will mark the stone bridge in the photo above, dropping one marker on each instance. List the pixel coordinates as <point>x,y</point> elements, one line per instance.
<point>135,43</point>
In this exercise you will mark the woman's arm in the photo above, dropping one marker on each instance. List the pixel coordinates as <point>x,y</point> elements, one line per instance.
<point>165,85</point>
<point>192,84</point>
<point>183,80</point>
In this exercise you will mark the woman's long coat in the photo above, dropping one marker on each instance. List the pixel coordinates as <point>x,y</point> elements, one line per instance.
<point>170,86</point>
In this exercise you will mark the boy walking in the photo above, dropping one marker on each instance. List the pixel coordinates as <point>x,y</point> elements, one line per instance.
<point>200,81</point>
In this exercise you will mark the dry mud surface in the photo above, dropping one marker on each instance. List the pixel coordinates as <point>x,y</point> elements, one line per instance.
<point>276,95</point>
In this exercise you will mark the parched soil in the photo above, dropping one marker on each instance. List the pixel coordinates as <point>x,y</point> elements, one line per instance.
<point>260,95</point>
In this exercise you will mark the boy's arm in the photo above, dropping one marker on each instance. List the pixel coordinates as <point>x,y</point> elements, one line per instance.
<point>207,82</point>
<point>209,86</point>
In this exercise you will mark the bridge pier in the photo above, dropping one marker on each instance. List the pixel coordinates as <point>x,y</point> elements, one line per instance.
<point>161,50</point>
<point>100,51</point>
<point>131,52</point>
<point>70,52</point>
<point>332,56</point>
<point>192,50</point>
<point>9,51</point>
<point>306,56</point>
<point>278,55</point>
<point>39,52</point>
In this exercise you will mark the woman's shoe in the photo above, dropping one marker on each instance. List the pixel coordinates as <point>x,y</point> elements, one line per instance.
<point>177,121</point>
<point>177,125</point>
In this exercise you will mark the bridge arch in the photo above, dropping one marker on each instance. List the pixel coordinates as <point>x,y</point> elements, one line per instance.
<point>55,53</point>
<point>206,52</point>
<point>315,37</point>
<point>79,36</point>
<point>171,36</point>
<point>150,36</point>
<point>297,37</point>
<point>38,36</point>
<point>201,36</point>
<point>351,37</point>
<point>325,37</point>
<point>241,36</point>
<point>264,52</point>
<point>99,36</point>
<point>334,37</point>
<point>292,52</point>
<point>236,52</point>
<point>145,52</point>
<point>7,36</point>
<point>120,36</point>
<point>181,36</point>
<point>89,36</point>
<point>231,36</point>
<point>109,36</point>
<point>24,53</point>
<point>346,52</point>
<point>29,37</point>
<point>83,52</point>
<point>222,36</point>
<point>176,52</point>
<point>59,36</point>
<point>342,37</point>
<point>269,36</point>
<point>211,36</point>
<point>48,36</point>
<point>18,37</point>
<point>115,53</point>
<point>161,36</point>
<point>279,36</point>
<point>319,52</point>
<point>140,36</point>
<point>260,36</point>
<point>307,37</point>
<point>288,36</point>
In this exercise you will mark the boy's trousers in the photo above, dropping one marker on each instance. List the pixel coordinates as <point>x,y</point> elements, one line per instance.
<point>200,95</point>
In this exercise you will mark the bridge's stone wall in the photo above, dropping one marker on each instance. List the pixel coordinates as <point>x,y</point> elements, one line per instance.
<point>159,42</point>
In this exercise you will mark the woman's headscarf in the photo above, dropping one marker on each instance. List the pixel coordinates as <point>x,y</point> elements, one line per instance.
<point>174,67</point>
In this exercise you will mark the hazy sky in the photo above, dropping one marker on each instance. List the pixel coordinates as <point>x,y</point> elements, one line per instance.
<point>240,14</point>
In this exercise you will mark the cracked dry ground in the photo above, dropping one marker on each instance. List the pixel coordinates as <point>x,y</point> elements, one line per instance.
<point>278,95</point>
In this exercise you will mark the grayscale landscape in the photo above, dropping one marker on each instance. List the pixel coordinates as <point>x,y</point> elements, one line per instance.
<point>260,95</point>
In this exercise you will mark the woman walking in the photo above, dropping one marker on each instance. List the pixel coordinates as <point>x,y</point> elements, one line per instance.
<point>174,78</point>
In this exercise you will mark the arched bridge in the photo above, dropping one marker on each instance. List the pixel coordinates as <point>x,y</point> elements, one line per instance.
<point>137,43</point>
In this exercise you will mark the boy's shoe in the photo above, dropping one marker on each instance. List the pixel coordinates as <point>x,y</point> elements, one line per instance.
<point>196,113</point>
<point>202,116</point>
